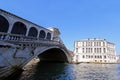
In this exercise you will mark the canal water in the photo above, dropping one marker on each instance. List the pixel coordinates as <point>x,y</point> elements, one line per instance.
<point>60,71</point>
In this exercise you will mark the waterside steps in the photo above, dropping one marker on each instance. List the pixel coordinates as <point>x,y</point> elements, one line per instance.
<point>8,73</point>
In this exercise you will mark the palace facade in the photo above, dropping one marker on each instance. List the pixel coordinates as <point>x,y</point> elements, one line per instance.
<point>94,50</point>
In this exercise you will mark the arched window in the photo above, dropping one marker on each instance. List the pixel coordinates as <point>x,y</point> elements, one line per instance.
<point>48,36</point>
<point>33,32</point>
<point>4,24</point>
<point>42,34</point>
<point>19,28</point>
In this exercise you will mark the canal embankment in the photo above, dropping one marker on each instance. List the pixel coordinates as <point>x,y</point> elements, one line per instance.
<point>28,68</point>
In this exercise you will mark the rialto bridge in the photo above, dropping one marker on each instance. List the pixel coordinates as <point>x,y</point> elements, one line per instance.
<point>22,40</point>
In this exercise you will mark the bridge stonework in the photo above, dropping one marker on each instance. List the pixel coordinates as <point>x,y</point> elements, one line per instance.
<point>22,40</point>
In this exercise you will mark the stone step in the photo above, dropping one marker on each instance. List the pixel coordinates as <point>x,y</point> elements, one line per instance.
<point>4,72</point>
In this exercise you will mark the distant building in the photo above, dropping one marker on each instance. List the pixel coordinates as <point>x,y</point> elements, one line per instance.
<point>71,53</point>
<point>118,58</point>
<point>94,50</point>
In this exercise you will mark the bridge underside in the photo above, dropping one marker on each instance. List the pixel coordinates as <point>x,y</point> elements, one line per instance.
<point>53,55</point>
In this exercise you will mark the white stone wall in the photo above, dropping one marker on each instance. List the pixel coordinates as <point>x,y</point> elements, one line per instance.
<point>94,50</point>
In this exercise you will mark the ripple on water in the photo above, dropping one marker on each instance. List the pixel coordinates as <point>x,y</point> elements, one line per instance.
<point>60,71</point>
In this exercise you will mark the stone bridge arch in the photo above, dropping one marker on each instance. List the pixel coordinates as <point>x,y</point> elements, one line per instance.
<point>49,54</point>
<point>52,54</point>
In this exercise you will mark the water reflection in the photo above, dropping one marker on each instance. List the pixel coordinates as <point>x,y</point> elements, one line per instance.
<point>53,71</point>
<point>97,72</point>
<point>61,71</point>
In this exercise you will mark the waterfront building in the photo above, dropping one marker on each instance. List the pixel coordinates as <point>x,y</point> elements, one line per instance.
<point>118,58</point>
<point>94,50</point>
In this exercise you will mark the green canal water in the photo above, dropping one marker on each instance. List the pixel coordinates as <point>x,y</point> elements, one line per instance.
<point>60,71</point>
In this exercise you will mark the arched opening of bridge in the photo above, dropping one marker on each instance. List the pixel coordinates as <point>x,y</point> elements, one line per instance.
<point>4,24</point>
<point>19,28</point>
<point>48,36</point>
<point>42,34</point>
<point>33,32</point>
<point>53,55</point>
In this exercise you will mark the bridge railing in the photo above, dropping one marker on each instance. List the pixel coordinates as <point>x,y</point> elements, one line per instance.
<point>15,37</point>
<point>27,39</point>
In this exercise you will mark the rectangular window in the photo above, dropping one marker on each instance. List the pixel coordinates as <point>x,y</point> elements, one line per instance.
<point>100,57</point>
<point>83,50</point>
<point>83,56</point>
<point>105,57</point>
<point>90,43</point>
<point>99,43</point>
<point>91,56</point>
<point>76,44</point>
<point>104,50</point>
<point>82,43</point>
<point>94,43</point>
<point>76,50</point>
<point>86,50</point>
<point>95,50</point>
<point>100,50</point>
<point>95,56</point>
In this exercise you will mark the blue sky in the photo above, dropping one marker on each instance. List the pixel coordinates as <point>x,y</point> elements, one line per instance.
<point>76,19</point>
